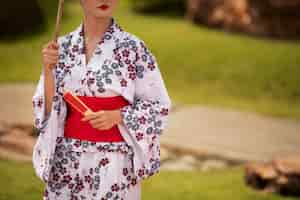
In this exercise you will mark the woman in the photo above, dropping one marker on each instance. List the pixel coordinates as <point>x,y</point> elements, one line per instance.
<point>107,152</point>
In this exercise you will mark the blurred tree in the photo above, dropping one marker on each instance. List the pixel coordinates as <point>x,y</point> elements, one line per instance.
<point>23,17</point>
<point>275,18</point>
<point>169,7</point>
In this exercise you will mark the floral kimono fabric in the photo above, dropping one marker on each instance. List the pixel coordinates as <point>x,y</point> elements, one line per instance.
<point>78,169</point>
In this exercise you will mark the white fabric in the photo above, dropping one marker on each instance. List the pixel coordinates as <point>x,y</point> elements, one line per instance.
<point>90,171</point>
<point>121,65</point>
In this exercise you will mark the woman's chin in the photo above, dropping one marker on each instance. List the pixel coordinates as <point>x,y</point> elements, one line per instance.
<point>102,15</point>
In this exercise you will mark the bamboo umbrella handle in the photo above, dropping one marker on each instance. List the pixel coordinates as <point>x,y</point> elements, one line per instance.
<point>58,19</point>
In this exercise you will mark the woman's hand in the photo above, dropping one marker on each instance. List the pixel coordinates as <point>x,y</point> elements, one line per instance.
<point>49,59</point>
<point>103,120</point>
<point>50,55</point>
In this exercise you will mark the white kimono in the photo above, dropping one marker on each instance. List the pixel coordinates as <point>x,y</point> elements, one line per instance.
<point>120,65</point>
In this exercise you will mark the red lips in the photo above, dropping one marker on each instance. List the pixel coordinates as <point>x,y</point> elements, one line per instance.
<point>103,7</point>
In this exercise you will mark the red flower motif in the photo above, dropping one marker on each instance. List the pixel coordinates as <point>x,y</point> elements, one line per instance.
<point>133,181</point>
<point>127,61</point>
<point>118,57</point>
<point>125,171</point>
<point>104,161</point>
<point>142,120</point>
<point>123,83</point>
<point>125,53</point>
<point>164,111</point>
<point>63,170</point>
<point>132,76</point>
<point>67,178</point>
<point>70,185</point>
<point>151,66</point>
<point>79,186</point>
<point>130,68</point>
<point>115,187</point>
<point>141,172</point>
<point>139,136</point>
<point>87,178</point>
<point>56,177</point>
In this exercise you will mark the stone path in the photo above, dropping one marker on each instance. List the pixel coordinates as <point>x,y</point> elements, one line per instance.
<point>15,103</point>
<point>232,134</point>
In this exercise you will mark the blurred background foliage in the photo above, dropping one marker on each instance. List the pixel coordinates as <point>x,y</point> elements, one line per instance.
<point>24,18</point>
<point>165,7</point>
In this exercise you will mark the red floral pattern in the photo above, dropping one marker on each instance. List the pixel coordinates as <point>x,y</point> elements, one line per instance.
<point>121,65</point>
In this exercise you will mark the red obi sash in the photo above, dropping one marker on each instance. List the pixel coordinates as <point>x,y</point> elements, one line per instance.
<point>75,128</point>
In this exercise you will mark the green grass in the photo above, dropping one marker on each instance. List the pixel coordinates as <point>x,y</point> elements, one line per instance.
<point>200,66</point>
<point>18,181</point>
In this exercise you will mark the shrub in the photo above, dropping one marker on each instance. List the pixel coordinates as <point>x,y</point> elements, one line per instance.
<point>159,6</point>
<point>25,16</point>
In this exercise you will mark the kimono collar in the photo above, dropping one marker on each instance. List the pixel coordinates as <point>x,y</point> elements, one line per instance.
<point>111,33</point>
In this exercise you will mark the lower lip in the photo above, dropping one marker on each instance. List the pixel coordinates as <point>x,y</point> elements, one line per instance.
<point>104,7</point>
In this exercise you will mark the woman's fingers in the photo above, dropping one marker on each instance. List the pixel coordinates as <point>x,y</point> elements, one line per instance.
<point>51,45</point>
<point>50,59</point>
<point>55,46</point>
<point>49,50</point>
<point>92,115</point>
<point>51,62</point>
<point>50,54</point>
<point>89,117</point>
<point>103,126</point>
<point>99,125</point>
<point>97,120</point>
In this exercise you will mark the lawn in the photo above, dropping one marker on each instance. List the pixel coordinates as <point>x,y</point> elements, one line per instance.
<point>199,65</point>
<point>18,181</point>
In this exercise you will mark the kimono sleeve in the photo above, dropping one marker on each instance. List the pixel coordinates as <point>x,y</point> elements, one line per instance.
<point>147,116</point>
<point>39,106</point>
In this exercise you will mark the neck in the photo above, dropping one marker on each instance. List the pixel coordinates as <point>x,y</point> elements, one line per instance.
<point>95,27</point>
